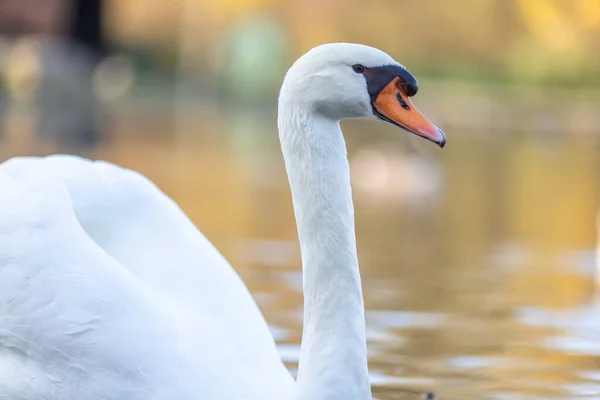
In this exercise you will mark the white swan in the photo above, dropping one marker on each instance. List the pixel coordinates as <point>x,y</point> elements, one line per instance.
<point>108,291</point>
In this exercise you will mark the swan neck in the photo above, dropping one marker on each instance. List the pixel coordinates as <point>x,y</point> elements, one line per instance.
<point>333,357</point>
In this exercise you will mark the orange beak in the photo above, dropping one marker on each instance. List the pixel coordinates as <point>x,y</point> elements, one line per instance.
<point>393,105</point>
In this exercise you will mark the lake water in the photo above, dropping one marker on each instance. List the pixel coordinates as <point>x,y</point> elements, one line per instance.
<point>477,260</point>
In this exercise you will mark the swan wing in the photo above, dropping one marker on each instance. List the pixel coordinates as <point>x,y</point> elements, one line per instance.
<point>68,312</point>
<point>124,216</point>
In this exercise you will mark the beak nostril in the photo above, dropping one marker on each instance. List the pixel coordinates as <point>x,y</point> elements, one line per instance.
<point>402,102</point>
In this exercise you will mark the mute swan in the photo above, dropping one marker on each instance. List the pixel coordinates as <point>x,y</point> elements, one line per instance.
<point>108,291</point>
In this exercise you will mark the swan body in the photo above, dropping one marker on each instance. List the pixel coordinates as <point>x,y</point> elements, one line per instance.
<point>171,291</point>
<point>108,291</point>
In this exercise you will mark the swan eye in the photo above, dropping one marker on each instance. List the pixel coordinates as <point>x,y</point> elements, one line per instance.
<point>359,69</point>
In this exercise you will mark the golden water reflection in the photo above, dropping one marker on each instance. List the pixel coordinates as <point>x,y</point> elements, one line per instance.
<point>477,260</point>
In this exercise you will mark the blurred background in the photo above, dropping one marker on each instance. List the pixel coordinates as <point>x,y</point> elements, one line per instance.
<point>478,260</point>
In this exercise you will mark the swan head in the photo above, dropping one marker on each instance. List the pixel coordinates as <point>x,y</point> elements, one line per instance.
<point>345,80</point>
